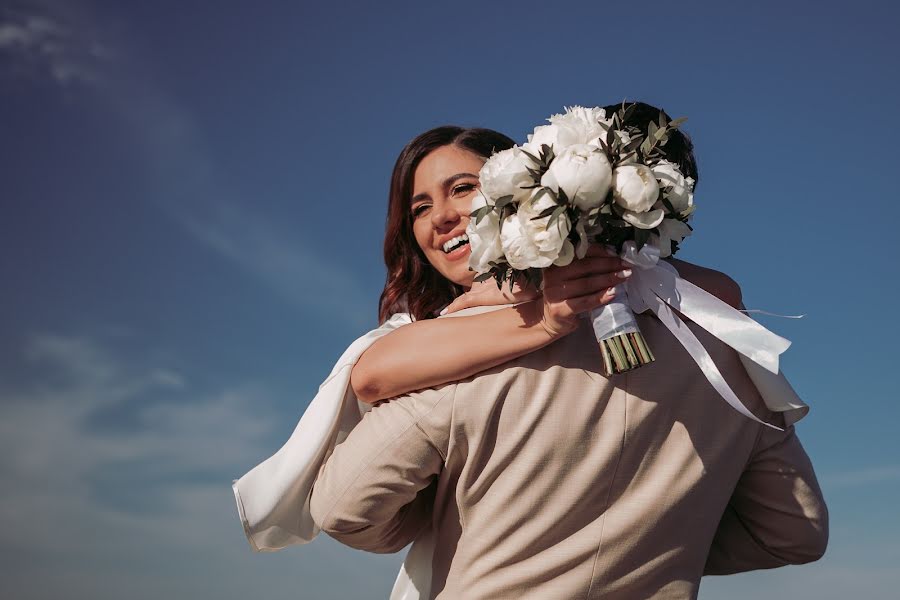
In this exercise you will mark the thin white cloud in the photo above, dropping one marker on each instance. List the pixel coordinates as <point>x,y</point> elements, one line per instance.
<point>43,41</point>
<point>64,43</point>
<point>65,530</point>
<point>306,278</point>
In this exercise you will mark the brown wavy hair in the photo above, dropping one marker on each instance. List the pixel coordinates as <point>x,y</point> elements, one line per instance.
<point>412,285</point>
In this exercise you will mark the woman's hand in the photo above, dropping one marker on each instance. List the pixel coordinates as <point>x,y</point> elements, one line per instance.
<point>581,286</point>
<point>486,293</point>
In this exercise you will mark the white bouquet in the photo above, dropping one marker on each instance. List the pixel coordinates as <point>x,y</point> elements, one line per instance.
<point>584,178</point>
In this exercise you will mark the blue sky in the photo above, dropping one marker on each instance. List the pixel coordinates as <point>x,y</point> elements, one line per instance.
<point>193,199</point>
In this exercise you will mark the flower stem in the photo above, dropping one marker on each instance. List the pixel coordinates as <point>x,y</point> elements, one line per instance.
<point>624,352</point>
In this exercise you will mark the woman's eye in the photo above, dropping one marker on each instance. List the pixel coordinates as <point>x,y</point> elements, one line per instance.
<point>462,189</point>
<point>419,210</point>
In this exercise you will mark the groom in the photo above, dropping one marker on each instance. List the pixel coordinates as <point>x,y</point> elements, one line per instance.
<point>547,480</point>
<point>543,479</point>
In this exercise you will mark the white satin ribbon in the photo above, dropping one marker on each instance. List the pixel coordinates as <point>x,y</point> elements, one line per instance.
<point>656,286</point>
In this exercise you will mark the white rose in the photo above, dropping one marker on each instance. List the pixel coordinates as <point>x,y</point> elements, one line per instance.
<point>484,238</point>
<point>529,242</point>
<point>504,174</point>
<point>645,220</point>
<point>681,189</point>
<point>583,172</point>
<point>634,187</point>
<point>670,230</point>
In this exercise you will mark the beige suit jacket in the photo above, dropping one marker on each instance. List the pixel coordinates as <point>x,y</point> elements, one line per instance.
<point>543,479</point>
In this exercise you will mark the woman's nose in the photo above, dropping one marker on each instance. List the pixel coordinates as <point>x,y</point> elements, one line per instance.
<point>445,216</point>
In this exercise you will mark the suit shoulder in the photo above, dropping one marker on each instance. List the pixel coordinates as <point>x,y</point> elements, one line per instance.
<point>715,282</point>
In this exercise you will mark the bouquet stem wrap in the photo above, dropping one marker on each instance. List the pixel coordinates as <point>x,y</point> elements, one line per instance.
<point>621,344</point>
<point>656,286</point>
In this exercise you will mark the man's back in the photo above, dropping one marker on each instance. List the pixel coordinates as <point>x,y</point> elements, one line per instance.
<point>549,481</point>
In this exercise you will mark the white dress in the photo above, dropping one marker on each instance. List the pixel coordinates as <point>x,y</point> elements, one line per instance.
<point>273,498</point>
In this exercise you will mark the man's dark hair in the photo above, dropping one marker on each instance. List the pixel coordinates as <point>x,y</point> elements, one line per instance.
<point>678,149</point>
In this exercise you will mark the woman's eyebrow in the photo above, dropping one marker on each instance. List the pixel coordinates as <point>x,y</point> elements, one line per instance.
<point>446,183</point>
<point>453,178</point>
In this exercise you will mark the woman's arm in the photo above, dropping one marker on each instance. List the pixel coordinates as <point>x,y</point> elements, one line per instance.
<point>431,352</point>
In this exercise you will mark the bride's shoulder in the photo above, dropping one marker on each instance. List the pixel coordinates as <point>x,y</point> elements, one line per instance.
<point>715,282</point>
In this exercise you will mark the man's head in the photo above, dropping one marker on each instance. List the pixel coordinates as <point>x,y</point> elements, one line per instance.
<point>679,148</point>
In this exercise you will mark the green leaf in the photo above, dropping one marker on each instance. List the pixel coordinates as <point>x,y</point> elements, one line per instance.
<point>483,277</point>
<point>546,154</point>
<point>503,201</point>
<point>652,129</point>
<point>677,122</point>
<point>530,155</point>
<point>641,237</point>
<point>479,214</point>
<point>535,174</point>
<point>668,205</point>
<point>662,120</point>
<point>546,212</point>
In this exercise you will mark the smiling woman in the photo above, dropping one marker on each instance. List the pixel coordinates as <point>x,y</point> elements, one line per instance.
<point>434,178</point>
<point>443,188</point>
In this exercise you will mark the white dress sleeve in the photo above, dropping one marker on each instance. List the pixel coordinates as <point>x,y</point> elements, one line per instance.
<point>273,498</point>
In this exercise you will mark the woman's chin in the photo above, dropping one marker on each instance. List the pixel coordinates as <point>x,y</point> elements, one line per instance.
<point>456,267</point>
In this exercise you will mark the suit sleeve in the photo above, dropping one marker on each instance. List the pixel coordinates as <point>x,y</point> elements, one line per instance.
<point>776,515</point>
<point>367,494</point>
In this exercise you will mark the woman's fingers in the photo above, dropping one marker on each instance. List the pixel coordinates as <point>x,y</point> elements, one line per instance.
<point>599,250</point>
<point>574,288</point>
<point>588,302</point>
<point>584,267</point>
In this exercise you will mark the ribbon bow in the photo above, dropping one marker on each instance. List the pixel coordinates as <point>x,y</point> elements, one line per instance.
<point>656,286</point>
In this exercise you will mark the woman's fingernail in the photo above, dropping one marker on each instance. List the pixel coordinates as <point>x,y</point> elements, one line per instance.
<point>624,273</point>
<point>608,294</point>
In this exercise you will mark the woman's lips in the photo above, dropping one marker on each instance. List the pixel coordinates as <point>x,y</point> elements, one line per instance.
<point>459,253</point>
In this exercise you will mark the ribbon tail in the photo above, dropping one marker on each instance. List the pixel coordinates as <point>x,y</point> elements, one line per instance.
<point>719,318</point>
<point>690,342</point>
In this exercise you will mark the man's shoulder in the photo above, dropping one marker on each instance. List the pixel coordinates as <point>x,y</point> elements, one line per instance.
<point>715,282</point>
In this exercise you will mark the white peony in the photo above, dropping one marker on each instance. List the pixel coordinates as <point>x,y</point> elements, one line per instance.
<point>520,252</point>
<point>584,121</point>
<point>504,174</point>
<point>583,172</point>
<point>681,192</point>
<point>484,238</point>
<point>529,242</point>
<point>578,125</point>
<point>566,254</point>
<point>634,187</point>
<point>670,230</point>
<point>644,220</point>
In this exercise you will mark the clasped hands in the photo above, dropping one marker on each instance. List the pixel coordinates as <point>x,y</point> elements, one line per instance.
<point>579,287</point>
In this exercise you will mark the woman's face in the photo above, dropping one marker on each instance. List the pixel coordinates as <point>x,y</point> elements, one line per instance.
<point>443,186</point>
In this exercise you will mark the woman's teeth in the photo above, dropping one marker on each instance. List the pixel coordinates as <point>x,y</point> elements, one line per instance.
<point>451,245</point>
